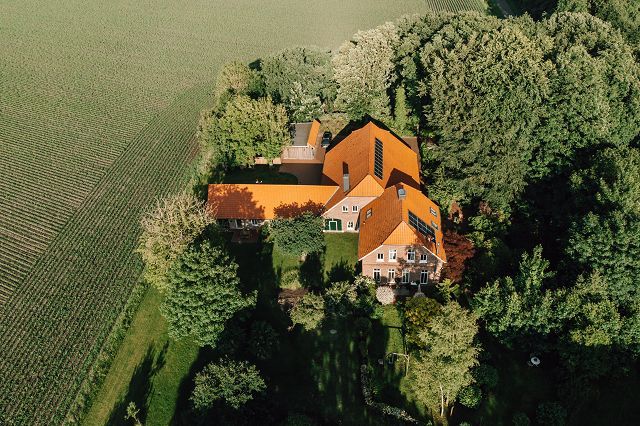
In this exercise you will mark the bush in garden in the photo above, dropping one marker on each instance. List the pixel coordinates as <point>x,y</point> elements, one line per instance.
<point>551,414</point>
<point>234,382</point>
<point>486,375</point>
<point>290,280</point>
<point>308,312</point>
<point>418,313</point>
<point>263,340</point>
<point>521,419</point>
<point>340,298</point>
<point>470,396</point>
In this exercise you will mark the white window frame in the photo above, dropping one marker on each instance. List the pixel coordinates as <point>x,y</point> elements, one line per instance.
<point>433,212</point>
<point>424,258</point>
<point>391,275</point>
<point>376,272</point>
<point>405,276</point>
<point>345,209</point>
<point>435,225</point>
<point>393,255</point>
<point>256,222</point>
<point>355,208</point>
<point>380,257</point>
<point>369,213</point>
<point>424,276</point>
<point>349,225</point>
<point>411,255</point>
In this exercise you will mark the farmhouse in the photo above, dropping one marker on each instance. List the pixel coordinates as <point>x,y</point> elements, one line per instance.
<point>370,184</point>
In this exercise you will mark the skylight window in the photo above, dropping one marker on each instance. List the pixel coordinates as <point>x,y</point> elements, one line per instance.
<point>378,160</point>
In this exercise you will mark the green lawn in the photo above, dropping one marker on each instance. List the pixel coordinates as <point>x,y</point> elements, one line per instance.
<point>315,373</point>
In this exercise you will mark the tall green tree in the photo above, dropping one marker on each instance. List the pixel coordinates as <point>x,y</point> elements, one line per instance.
<point>243,130</point>
<point>235,78</point>
<point>607,238</point>
<point>519,308</point>
<point>308,67</point>
<point>234,382</point>
<point>363,68</point>
<point>487,81</point>
<point>622,14</point>
<point>204,294</point>
<point>439,373</point>
<point>167,229</point>
<point>309,312</point>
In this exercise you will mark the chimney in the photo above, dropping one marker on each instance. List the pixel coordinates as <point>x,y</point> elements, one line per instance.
<point>345,182</point>
<point>402,193</point>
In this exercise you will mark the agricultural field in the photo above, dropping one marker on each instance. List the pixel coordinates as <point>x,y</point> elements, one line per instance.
<point>98,107</point>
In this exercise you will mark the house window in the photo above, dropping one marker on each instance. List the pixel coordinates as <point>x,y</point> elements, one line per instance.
<point>423,258</point>
<point>380,257</point>
<point>411,255</point>
<point>376,275</point>
<point>349,225</point>
<point>369,213</point>
<point>255,222</point>
<point>424,277</point>
<point>354,209</point>
<point>393,255</point>
<point>405,276</point>
<point>433,212</point>
<point>435,225</point>
<point>392,275</point>
<point>345,209</point>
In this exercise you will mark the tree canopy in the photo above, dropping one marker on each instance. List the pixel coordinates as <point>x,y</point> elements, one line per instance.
<point>245,129</point>
<point>298,235</point>
<point>204,294</point>
<point>167,230</point>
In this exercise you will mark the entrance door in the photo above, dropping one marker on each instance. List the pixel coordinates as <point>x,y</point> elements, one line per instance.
<point>334,225</point>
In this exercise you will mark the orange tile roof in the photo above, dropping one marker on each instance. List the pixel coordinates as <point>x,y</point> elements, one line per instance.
<point>313,133</point>
<point>355,154</point>
<point>389,222</point>
<point>263,201</point>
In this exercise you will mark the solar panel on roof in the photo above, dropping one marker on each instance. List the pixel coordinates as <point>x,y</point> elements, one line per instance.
<point>377,159</point>
<point>421,226</point>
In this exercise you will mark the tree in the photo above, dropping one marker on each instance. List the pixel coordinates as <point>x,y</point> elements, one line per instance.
<point>234,382</point>
<point>402,119</point>
<point>440,372</point>
<point>551,414</point>
<point>363,68</point>
<point>607,238</point>
<point>204,294</point>
<point>487,81</point>
<point>518,308</point>
<point>308,312</point>
<point>298,235</point>
<point>235,78</point>
<point>622,14</point>
<point>167,230</point>
<point>244,130</point>
<point>302,105</point>
<point>308,68</point>
<point>418,313</point>
<point>263,340</point>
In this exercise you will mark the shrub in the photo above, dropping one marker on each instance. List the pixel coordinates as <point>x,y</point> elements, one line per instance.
<point>551,414</point>
<point>234,382</point>
<point>309,312</point>
<point>263,340</point>
<point>521,419</point>
<point>486,375</point>
<point>340,298</point>
<point>290,280</point>
<point>418,313</point>
<point>470,396</point>
<point>298,235</point>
